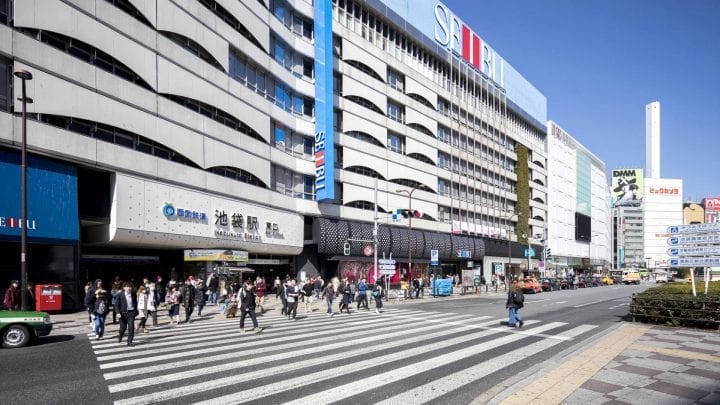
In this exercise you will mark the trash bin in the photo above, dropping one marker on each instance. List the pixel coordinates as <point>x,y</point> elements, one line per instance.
<point>48,297</point>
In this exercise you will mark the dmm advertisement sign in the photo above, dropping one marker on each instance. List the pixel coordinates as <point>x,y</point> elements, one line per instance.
<point>627,187</point>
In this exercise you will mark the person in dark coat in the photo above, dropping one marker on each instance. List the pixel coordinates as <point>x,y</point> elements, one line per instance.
<point>247,307</point>
<point>513,306</point>
<point>89,296</point>
<point>188,299</point>
<point>128,308</point>
<point>200,296</point>
<point>347,298</point>
<point>213,288</point>
<point>100,303</point>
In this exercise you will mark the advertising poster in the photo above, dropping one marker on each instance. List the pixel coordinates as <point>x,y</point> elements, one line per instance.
<point>627,187</point>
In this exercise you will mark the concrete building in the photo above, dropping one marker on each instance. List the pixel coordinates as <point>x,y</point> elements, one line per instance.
<point>257,129</point>
<point>579,225</point>
<point>627,189</point>
<point>662,207</point>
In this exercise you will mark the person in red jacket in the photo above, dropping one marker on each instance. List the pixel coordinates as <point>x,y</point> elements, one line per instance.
<point>260,290</point>
<point>12,296</point>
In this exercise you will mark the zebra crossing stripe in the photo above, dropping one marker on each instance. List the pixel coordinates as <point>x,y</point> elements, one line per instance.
<point>362,385</point>
<point>172,377</point>
<point>287,384</point>
<point>444,385</point>
<point>151,355</point>
<point>206,333</point>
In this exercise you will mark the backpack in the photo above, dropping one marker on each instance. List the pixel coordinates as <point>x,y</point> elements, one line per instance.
<point>376,292</point>
<point>518,298</point>
<point>102,308</point>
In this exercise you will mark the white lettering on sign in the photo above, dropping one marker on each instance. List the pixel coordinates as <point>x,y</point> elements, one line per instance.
<point>320,160</point>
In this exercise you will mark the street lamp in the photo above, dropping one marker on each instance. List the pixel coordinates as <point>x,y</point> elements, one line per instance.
<point>589,246</point>
<point>24,76</point>
<point>411,214</point>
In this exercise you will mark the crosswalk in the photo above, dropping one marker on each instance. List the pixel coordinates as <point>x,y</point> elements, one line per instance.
<point>401,356</point>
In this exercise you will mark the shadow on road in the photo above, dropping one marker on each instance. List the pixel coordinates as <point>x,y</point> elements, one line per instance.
<point>47,340</point>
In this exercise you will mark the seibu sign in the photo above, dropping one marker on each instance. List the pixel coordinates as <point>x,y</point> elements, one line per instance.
<point>453,34</point>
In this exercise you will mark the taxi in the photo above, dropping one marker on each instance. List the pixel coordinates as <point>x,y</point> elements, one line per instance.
<point>531,285</point>
<point>17,328</point>
<point>607,280</point>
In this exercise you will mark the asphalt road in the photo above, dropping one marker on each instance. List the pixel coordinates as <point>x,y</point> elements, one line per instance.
<point>65,368</point>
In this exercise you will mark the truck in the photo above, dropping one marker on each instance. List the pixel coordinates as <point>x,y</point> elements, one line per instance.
<point>630,277</point>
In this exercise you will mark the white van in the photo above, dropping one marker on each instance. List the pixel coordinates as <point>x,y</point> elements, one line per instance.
<point>661,276</point>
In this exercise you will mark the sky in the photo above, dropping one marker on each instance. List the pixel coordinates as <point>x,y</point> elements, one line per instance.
<point>599,62</point>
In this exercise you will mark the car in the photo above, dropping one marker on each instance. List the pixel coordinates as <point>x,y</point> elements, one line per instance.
<point>565,283</point>
<point>17,328</point>
<point>550,284</point>
<point>617,279</point>
<point>582,283</point>
<point>592,281</point>
<point>607,280</point>
<point>531,285</point>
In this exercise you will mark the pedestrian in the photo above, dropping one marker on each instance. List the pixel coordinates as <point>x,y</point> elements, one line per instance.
<point>128,311</point>
<point>377,296</point>
<point>308,289</point>
<point>213,286</point>
<point>159,286</point>
<point>362,300</point>
<point>145,307</point>
<point>29,294</point>
<point>318,284</point>
<point>101,307</point>
<point>12,296</point>
<point>292,293</point>
<point>247,307</point>
<point>155,298</point>
<point>173,299</point>
<point>277,286</point>
<point>260,291</point>
<point>347,297</point>
<point>223,300</point>
<point>515,300</point>
<point>416,287</point>
<point>114,292</point>
<point>283,298</point>
<point>188,298</point>
<point>328,295</point>
<point>89,295</point>
<point>201,295</point>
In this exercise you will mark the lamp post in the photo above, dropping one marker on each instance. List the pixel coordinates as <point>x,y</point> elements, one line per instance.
<point>410,217</point>
<point>24,76</point>
<point>589,258</point>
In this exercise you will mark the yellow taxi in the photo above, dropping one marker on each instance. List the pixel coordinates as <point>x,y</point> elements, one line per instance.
<point>607,280</point>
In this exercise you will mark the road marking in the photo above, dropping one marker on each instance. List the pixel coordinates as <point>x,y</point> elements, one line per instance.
<point>561,302</point>
<point>442,386</point>
<point>369,383</point>
<point>589,303</point>
<point>619,305</point>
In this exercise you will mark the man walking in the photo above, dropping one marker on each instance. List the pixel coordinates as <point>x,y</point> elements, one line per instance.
<point>260,291</point>
<point>247,307</point>
<point>292,296</point>
<point>362,295</point>
<point>188,299</point>
<point>127,301</point>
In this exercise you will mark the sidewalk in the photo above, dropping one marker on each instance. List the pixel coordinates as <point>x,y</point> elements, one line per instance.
<point>634,364</point>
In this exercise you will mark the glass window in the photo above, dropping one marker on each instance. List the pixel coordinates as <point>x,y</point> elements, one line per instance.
<point>396,143</point>
<point>308,146</point>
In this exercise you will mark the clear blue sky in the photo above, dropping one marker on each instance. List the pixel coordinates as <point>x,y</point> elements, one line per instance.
<point>599,62</point>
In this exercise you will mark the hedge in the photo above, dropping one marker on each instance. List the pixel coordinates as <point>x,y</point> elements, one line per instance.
<point>673,304</point>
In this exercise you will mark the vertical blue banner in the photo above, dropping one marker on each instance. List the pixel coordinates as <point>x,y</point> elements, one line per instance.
<point>324,129</point>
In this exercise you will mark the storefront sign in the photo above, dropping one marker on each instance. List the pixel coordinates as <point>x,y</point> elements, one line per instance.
<point>169,210</point>
<point>324,128</point>
<point>215,255</point>
<point>246,227</point>
<point>52,200</point>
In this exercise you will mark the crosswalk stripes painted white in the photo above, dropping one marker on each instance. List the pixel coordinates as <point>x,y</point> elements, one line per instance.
<point>442,386</point>
<point>174,363</point>
<point>177,376</point>
<point>362,385</point>
<point>149,354</point>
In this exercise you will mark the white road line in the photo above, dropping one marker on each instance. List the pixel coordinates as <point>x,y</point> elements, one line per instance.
<point>362,385</point>
<point>442,386</point>
<point>589,303</point>
<point>561,302</point>
<point>291,383</point>
<point>168,376</point>
<point>241,344</point>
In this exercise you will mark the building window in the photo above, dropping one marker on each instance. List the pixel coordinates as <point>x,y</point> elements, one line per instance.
<point>396,143</point>
<point>193,47</point>
<point>5,84</point>
<point>6,10</point>
<point>444,160</point>
<point>396,80</point>
<point>230,19</point>
<point>395,112</point>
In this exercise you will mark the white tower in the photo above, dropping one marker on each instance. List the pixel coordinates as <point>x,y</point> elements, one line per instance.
<point>652,140</point>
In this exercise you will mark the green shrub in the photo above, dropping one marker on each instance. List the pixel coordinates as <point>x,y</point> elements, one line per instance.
<point>673,304</point>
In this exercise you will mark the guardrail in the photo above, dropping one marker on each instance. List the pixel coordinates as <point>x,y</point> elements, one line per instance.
<point>700,312</point>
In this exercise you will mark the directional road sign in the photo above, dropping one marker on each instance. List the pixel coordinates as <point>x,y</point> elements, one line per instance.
<point>694,251</point>
<point>386,261</point>
<point>529,252</point>
<point>695,228</point>
<point>693,240</point>
<point>694,262</point>
<point>387,272</point>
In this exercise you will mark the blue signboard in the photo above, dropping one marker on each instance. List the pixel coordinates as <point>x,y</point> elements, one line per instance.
<point>51,200</point>
<point>324,129</point>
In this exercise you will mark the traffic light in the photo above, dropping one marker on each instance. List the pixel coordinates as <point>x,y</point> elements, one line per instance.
<point>346,249</point>
<point>548,254</point>
<point>411,214</point>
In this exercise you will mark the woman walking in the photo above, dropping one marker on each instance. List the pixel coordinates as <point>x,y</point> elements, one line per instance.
<point>154,296</point>
<point>347,298</point>
<point>377,296</point>
<point>514,302</point>
<point>145,307</point>
<point>329,295</point>
<point>101,307</point>
<point>173,300</point>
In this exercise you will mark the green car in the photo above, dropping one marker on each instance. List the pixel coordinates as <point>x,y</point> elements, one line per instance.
<point>18,327</point>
